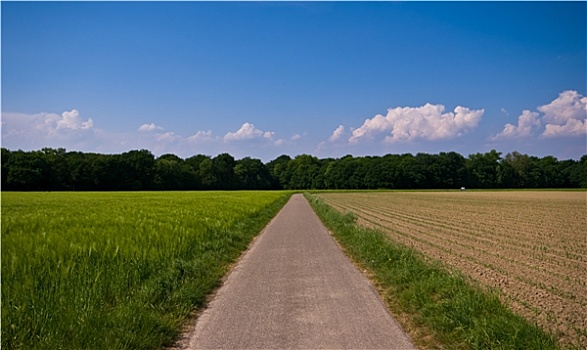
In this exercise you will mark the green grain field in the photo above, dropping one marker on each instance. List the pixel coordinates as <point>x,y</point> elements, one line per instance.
<point>118,270</point>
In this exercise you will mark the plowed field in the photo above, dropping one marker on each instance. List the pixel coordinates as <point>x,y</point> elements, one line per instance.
<point>532,246</point>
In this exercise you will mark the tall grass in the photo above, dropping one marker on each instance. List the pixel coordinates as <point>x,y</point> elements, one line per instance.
<point>457,313</point>
<point>117,270</point>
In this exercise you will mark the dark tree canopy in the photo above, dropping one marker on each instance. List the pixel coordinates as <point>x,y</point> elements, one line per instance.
<point>58,170</point>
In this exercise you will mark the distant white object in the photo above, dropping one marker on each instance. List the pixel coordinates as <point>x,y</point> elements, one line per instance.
<point>463,189</point>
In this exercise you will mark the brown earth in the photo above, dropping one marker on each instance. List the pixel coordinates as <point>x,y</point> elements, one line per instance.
<point>531,246</point>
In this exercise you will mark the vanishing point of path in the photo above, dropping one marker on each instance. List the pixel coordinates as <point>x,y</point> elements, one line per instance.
<point>295,289</point>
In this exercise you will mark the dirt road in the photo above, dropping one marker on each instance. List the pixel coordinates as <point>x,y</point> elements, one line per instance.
<point>295,289</point>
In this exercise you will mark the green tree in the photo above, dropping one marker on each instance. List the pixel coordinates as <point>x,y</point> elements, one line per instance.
<point>448,170</point>
<point>206,174</point>
<point>58,173</point>
<point>223,169</point>
<point>27,171</point>
<point>81,172</point>
<point>304,170</point>
<point>172,173</point>
<point>577,173</point>
<point>280,171</point>
<point>484,168</point>
<point>252,174</point>
<point>56,169</point>
<point>551,174</point>
<point>5,159</point>
<point>138,169</point>
<point>582,169</point>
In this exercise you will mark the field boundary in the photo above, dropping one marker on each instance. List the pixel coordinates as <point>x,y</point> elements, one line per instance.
<point>438,307</point>
<point>186,332</point>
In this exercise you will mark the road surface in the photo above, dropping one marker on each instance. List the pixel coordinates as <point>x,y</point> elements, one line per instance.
<point>295,289</point>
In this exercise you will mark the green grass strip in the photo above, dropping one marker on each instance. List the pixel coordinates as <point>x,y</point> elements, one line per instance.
<point>459,314</point>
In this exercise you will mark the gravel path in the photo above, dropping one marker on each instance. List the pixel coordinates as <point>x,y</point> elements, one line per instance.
<point>295,289</point>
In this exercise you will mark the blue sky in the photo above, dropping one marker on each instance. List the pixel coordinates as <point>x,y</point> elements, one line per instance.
<point>262,79</point>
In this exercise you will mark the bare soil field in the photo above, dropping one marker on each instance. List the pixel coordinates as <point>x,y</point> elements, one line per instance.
<point>531,246</point>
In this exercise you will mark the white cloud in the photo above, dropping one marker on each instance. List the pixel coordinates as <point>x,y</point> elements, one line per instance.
<point>292,140</point>
<point>71,120</point>
<point>18,123</point>
<point>296,137</point>
<point>573,127</point>
<point>336,134</point>
<point>35,131</point>
<point>248,131</point>
<point>51,122</point>
<point>527,123</point>
<point>149,127</point>
<point>44,124</point>
<point>566,115</point>
<point>201,136</point>
<point>169,136</point>
<point>427,122</point>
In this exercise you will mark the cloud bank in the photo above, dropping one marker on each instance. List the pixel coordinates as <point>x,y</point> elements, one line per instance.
<point>337,134</point>
<point>149,127</point>
<point>527,123</point>
<point>428,122</point>
<point>68,120</point>
<point>540,128</point>
<point>563,117</point>
<point>248,131</point>
<point>43,125</point>
<point>201,136</point>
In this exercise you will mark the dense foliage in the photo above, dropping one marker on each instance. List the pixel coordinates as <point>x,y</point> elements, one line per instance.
<point>57,170</point>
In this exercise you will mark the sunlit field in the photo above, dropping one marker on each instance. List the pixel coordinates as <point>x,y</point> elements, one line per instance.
<point>117,270</point>
<point>530,245</point>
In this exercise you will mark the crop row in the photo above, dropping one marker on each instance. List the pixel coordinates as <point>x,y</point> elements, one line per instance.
<point>530,245</point>
<point>477,239</point>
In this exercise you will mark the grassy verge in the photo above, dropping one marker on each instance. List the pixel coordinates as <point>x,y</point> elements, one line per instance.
<point>443,308</point>
<point>118,270</point>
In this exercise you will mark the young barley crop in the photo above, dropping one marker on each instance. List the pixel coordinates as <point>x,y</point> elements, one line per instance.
<point>117,270</point>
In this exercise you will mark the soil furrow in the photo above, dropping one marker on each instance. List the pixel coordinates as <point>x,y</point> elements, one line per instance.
<point>530,245</point>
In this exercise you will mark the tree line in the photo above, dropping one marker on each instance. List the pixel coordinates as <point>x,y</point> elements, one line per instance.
<point>58,170</point>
